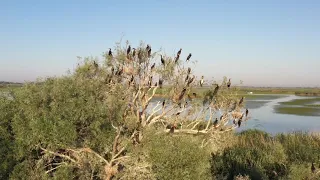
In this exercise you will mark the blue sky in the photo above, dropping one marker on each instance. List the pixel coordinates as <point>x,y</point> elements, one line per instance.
<point>263,43</point>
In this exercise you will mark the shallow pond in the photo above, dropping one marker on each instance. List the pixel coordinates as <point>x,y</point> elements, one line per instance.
<point>264,115</point>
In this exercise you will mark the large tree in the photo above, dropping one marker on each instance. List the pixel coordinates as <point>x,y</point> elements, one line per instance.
<point>90,123</point>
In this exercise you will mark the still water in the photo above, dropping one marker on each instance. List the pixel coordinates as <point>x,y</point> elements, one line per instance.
<point>263,117</point>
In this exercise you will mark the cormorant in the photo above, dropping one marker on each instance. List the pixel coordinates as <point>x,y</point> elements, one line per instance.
<point>187,78</point>
<point>241,101</point>
<point>110,52</point>
<point>179,52</point>
<point>313,168</point>
<point>149,52</point>
<point>188,58</point>
<point>162,61</point>
<point>215,123</point>
<point>182,93</point>
<point>190,81</point>
<point>247,112</point>
<point>156,84</point>
<point>189,70</point>
<point>134,52</point>
<point>201,81</point>
<point>160,83</point>
<point>177,58</point>
<point>239,122</point>
<point>229,83</point>
<point>163,103</point>
<point>195,94</point>
<point>153,65</point>
<point>128,50</point>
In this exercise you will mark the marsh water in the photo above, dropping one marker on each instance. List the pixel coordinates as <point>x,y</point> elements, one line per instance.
<point>263,116</point>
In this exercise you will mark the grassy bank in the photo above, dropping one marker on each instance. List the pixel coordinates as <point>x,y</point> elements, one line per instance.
<point>302,107</point>
<point>261,156</point>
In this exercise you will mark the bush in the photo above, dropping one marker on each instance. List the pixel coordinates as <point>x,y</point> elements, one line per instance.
<point>301,147</point>
<point>255,154</point>
<point>179,157</point>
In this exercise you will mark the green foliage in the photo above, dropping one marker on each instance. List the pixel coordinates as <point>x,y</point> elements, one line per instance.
<point>255,154</point>
<point>301,147</point>
<point>179,157</point>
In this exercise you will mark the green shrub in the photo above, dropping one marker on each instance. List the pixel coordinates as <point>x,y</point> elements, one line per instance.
<point>178,157</point>
<point>255,154</point>
<point>301,147</point>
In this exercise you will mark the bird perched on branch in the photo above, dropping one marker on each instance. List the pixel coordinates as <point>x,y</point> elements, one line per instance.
<point>190,80</point>
<point>149,52</point>
<point>239,122</point>
<point>160,83</point>
<point>162,61</point>
<point>189,70</point>
<point>129,50</point>
<point>194,94</point>
<point>215,123</point>
<point>182,94</point>
<point>134,52</point>
<point>188,58</point>
<point>163,103</point>
<point>313,168</point>
<point>110,52</point>
<point>201,81</point>
<point>95,64</point>
<point>241,100</point>
<point>153,65</point>
<point>177,59</point>
<point>179,52</point>
<point>229,83</point>
<point>247,112</point>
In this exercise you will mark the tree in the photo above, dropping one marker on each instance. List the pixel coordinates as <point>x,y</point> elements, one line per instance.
<point>87,123</point>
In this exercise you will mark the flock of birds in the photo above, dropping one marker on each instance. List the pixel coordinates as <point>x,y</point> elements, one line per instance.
<point>133,52</point>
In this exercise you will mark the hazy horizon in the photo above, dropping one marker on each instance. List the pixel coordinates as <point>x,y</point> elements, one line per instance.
<point>272,44</point>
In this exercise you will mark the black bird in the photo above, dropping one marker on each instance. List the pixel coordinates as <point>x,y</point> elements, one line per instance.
<point>229,83</point>
<point>95,64</point>
<point>178,113</point>
<point>313,168</point>
<point>177,58</point>
<point>188,58</point>
<point>201,81</point>
<point>134,52</point>
<point>112,70</point>
<point>189,70</point>
<point>148,47</point>
<point>190,81</point>
<point>129,50</point>
<point>216,90</point>
<point>179,52</point>
<point>153,65</point>
<point>247,112</point>
<point>160,83</point>
<point>149,52</point>
<point>215,123</point>
<point>182,93</point>
<point>163,103</point>
<point>140,55</point>
<point>110,52</point>
<point>187,78</point>
<point>132,78</point>
<point>239,122</point>
<point>150,81</point>
<point>162,61</point>
<point>156,84</point>
<point>195,94</point>
<point>241,101</point>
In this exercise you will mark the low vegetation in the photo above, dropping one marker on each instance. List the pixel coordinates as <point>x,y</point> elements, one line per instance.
<point>99,122</point>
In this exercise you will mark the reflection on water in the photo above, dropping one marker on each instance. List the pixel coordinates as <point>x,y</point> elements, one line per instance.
<point>263,117</point>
